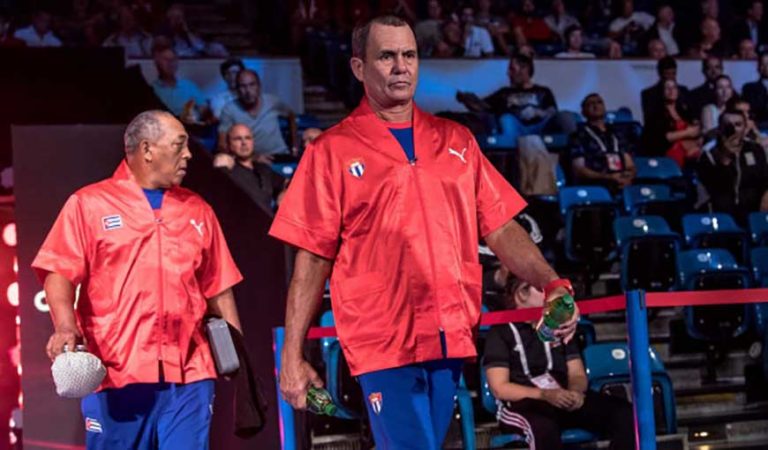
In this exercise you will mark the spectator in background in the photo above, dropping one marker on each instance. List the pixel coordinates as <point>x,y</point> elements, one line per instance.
<point>596,154</point>
<point>428,32</point>
<point>532,108</point>
<point>614,50</point>
<point>136,42</point>
<point>186,43</point>
<point>229,70</point>
<point>751,26</point>
<point>756,92</point>
<point>629,25</point>
<point>249,172</point>
<point>753,134</point>
<point>652,98</point>
<point>559,20</point>
<point>656,49</point>
<point>710,113</point>
<point>573,43</point>
<point>477,40</point>
<point>259,112</point>
<point>38,33</point>
<point>712,68</point>
<point>665,30</point>
<point>734,173</point>
<point>7,40</point>
<point>452,44</point>
<point>746,50</point>
<point>542,388</point>
<point>528,27</point>
<point>673,132</point>
<point>496,26</point>
<point>710,43</point>
<point>309,135</point>
<point>181,96</point>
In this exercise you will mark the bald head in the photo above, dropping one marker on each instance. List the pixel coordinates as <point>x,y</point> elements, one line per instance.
<point>240,142</point>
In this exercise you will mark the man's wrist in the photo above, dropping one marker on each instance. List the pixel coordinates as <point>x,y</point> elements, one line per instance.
<point>558,283</point>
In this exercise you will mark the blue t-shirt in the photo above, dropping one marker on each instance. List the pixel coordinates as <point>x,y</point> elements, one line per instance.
<point>405,137</point>
<point>155,197</point>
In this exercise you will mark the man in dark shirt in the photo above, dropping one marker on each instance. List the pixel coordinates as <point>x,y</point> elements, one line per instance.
<point>711,67</point>
<point>596,153</point>
<point>532,107</point>
<point>735,172</point>
<point>543,387</point>
<point>756,92</point>
<point>652,98</point>
<point>254,177</point>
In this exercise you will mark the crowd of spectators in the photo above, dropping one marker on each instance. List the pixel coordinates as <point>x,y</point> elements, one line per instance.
<point>135,25</point>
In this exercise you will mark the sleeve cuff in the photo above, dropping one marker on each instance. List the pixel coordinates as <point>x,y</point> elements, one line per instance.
<point>302,237</point>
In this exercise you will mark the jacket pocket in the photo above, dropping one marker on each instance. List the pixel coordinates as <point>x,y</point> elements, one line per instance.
<point>362,311</point>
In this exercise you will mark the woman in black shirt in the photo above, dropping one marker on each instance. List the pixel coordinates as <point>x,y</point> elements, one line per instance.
<point>542,388</point>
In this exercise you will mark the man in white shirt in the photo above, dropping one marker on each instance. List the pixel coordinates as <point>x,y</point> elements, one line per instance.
<point>477,40</point>
<point>631,24</point>
<point>38,33</point>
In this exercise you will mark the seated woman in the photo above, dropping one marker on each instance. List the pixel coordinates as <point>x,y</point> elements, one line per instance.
<point>711,112</point>
<point>542,387</point>
<point>674,133</point>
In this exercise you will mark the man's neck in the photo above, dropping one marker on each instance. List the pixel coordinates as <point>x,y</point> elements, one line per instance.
<point>399,113</point>
<point>597,123</point>
<point>168,79</point>
<point>254,108</point>
<point>247,162</point>
<point>143,179</point>
<point>524,85</point>
<point>723,156</point>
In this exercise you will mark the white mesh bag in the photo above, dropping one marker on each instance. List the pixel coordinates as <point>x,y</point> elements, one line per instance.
<point>77,374</point>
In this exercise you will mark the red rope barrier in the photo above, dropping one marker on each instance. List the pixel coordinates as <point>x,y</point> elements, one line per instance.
<point>613,303</point>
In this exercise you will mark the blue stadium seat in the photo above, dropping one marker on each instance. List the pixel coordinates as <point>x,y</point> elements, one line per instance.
<point>716,230</point>
<point>336,372</point>
<point>712,269</point>
<point>630,133</point>
<point>759,258</point>
<point>656,169</point>
<point>589,213</point>
<point>607,366</point>
<point>758,228</point>
<point>647,241</point>
<point>621,115</point>
<point>569,437</point>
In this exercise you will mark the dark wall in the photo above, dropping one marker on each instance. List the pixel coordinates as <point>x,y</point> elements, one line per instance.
<point>51,162</point>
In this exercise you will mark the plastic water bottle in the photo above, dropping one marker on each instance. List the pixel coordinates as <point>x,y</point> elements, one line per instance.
<point>319,401</point>
<point>556,313</point>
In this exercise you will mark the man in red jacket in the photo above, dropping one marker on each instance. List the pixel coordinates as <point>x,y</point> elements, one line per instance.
<point>151,260</point>
<point>391,203</point>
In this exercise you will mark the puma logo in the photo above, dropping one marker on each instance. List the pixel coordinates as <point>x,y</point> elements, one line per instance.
<point>457,154</point>
<point>198,226</point>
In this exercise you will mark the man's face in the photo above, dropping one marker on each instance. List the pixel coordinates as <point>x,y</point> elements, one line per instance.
<point>593,108</point>
<point>755,11</point>
<point>452,33</point>
<point>656,49</point>
<point>518,73</point>
<point>390,70</point>
<point>738,123</point>
<point>167,63</point>
<point>434,9</point>
<point>666,14</point>
<point>528,7</point>
<point>42,23</point>
<point>127,19</point>
<point>170,154</point>
<point>467,16</point>
<point>629,8</point>
<point>230,76</point>
<point>248,88</point>
<point>575,40</point>
<point>176,20</point>
<point>669,74</point>
<point>763,67</point>
<point>713,68</point>
<point>710,30</point>
<point>240,142</point>
<point>747,49</point>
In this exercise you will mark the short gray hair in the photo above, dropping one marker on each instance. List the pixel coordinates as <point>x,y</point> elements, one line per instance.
<point>361,32</point>
<point>144,127</point>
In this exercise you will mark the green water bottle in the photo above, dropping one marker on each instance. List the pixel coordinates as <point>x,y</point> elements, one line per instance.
<point>319,401</point>
<point>556,313</point>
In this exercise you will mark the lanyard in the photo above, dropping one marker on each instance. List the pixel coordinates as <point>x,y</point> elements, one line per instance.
<point>600,142</point>
<point>521,350</point>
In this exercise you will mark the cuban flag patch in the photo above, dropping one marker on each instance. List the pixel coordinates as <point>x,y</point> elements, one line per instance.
<point>93,425</point>
<point>376,399</point>
<point>112,222</point>
<point>356,168</point>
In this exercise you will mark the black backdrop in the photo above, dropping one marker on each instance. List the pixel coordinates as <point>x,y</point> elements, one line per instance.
<point>51,162</point>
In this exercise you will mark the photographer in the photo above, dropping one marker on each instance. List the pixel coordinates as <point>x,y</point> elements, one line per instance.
<point>734,173</point>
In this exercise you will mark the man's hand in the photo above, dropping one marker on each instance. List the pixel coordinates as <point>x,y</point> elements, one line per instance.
<point>565,331</point>
<point>733,144</point>
<point>578,400</point>
<point>65,335</point>
<point>559,398</point>
<point>296,375</point>
<point>224,161</point>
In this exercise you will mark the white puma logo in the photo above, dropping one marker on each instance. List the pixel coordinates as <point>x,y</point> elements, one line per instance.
<point>457,154</point>
<point>198,226</point>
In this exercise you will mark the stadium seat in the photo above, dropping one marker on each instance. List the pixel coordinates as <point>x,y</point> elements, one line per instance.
<point>759,258</point>
<point>607,366</point>
<point>712,269</point>
<point>621,115</point>
<point>653,200</point>
<point>647,241</point>
<point>589,212</point>
<point>630,133</point>
<point>569,437</point>
<point>344,390</point>
<point>654,170</point>
<point>758,228</point>
<point>717,230</point>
